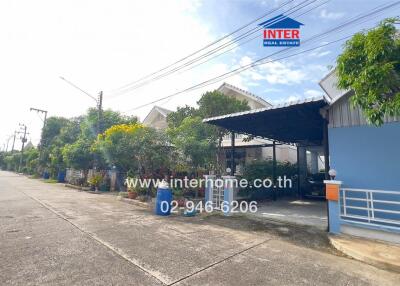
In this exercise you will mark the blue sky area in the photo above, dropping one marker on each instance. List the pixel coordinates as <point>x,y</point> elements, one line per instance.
<point>102,45</point>
<point>296,77</point>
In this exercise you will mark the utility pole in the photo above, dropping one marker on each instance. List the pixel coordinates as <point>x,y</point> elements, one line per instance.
<point>23,139</point>
<point>8,141</point>
<point>99,105</point>
<point>15,135</point>
<point>44,125</point>
<point>100,113</point>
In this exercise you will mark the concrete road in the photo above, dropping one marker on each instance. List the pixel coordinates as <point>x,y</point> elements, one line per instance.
<point>51,235</point>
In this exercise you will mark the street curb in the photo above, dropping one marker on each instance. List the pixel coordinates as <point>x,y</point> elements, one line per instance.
<point>376,253</point>
<point>79,188</point>
<point>135,202</point>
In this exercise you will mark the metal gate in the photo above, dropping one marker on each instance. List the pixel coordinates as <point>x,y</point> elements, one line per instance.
<point>217,197</point>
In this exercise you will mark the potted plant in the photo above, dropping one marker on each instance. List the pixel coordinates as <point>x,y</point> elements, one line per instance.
<point>105,184</point>
<point>178,196</point>
<point>95,181</point>
<point>132,193</point>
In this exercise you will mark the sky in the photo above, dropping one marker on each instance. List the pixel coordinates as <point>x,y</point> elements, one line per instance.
<point>104,45</point>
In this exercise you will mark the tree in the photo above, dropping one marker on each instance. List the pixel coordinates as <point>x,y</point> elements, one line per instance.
<point>175,119</point>
<point>152,152</point>
<point>78,155</point>
<point>117,146</point>
<point>134,148</point>
<point>196,141</point>
<point>215,104</point>
<point>110,118</point>
<point>52,141</point>
<point>370,66</point>
<point>185,127</point>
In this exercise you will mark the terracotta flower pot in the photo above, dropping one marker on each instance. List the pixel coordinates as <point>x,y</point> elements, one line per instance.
<point>181,203</point>
<point>132,195</point>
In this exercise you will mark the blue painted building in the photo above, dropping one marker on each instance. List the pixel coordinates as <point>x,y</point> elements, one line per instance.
<point>366,158</point>
<point>367,161</point>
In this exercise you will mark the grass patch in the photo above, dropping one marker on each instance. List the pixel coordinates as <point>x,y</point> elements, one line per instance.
<point>50,181</point>
<point>123,194</point>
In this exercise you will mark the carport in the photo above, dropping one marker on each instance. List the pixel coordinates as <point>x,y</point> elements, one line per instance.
<point>303,123</point>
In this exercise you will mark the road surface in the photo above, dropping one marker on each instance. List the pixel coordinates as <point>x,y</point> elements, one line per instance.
<point>52,235</point>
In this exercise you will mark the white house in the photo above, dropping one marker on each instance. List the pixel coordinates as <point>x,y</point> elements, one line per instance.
<point>157,118</point>
<point>246,151</point>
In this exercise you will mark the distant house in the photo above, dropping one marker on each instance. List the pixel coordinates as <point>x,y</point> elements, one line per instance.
<point>246,151</point>
<point>157,118</point>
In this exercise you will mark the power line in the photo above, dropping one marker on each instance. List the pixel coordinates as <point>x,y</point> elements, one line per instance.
<point>260,61</point>
<point>249,40</point>
<point>209,45</point>
<point>213,51</point>
<point>211,81</point>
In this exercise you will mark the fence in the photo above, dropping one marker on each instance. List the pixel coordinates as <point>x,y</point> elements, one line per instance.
<point>75,177</point>
<point>370,207</point>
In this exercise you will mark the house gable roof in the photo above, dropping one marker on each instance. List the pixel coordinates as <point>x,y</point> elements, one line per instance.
<point>245,93</point>
<point>281,22</point>
<point>157,109</point>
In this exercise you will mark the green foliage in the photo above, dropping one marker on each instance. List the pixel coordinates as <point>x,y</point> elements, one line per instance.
<point>370,66</point>
<point>95,180</point>
<point>199,142</point>
<point>110,118</point>
<point>264,170</point>
<point>196,140</point>
<point>152,151</point>
<point>215,103</point>
<point>134,148</point>
<point>175,119</point>
<point>117,146</point>
<point>78,155</point>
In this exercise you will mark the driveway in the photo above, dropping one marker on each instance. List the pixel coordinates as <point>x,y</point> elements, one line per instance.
<point>51,235</point>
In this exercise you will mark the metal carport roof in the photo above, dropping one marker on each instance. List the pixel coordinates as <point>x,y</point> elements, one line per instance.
<point>297,122</point>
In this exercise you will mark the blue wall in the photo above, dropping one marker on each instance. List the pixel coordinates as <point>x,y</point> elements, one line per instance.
<point>366,157</point>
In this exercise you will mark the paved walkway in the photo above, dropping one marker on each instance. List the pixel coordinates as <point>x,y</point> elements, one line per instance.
<point>380,254</point>
<point>303,212</point>
<point>51,235</point>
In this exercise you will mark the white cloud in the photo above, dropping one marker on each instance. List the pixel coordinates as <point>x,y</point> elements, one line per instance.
<point>319,53</point>
<point>312,93</point>
<point>324,14</point>
<point>98,45</point>
<point>281,73</point>
<point>283,100</point>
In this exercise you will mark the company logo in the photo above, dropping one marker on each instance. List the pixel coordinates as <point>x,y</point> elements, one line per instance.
<point>281,31</point>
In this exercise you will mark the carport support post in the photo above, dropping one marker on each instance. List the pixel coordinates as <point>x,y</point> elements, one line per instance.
<point>298,172</point>
<point>233,166</point>
<point>274,169</point>
<point>327,167</point>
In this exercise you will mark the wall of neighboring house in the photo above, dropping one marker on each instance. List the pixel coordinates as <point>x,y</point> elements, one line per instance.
<point>159,122</point>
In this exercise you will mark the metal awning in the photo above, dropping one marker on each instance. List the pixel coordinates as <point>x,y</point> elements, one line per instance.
<point>297,122</point>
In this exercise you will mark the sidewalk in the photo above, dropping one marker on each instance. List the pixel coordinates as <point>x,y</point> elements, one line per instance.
<point>380,254</point>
